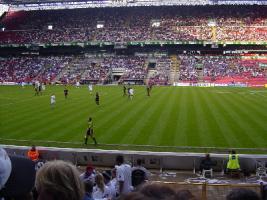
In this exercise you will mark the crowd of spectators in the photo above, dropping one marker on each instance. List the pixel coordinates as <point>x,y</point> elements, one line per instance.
<point>213,68</point>
<point>59,179</point>
<point>26,69</point>
<point>136,24</point>
<point>70,69</point>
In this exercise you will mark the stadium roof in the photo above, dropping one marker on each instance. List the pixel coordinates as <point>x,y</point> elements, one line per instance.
<point>65,4</point>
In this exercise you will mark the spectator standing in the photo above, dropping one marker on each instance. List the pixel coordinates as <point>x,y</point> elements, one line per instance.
<point>123,176</point>
<point>109,184</point>
<point>100,190</point>
<point>89,174</point>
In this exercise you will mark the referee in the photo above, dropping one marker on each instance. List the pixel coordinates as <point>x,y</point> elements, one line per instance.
<point>90,132</point>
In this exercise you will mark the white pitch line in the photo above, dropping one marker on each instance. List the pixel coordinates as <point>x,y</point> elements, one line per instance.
<point>132,145</point>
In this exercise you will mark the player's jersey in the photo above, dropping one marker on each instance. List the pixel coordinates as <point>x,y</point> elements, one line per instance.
<point>53,99</point>
<point>90,124</point>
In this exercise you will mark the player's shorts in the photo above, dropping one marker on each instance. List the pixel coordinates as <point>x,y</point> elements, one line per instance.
<point>89,131</point>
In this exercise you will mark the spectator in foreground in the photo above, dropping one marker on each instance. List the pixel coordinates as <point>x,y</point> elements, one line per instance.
<point>157,191</point>
<point>111,185</point>
<point>88,186</point>
<point>233,162</point>
<point>242,194</point>
<point>139,173</point>
<point>17,176</point>
<point>123,176</point>
<point>33,154</point>
<point>100,190</point>
<point>89,174</point>
<point>59,180</point>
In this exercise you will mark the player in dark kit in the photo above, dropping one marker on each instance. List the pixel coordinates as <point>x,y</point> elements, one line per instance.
<point>97,98</point>
<point>90,132</point>
<point>124,90</point>
<point>148,90</point>
<point>66,92</point>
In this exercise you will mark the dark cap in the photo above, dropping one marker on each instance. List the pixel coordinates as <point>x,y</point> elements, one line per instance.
<point>17,175</point>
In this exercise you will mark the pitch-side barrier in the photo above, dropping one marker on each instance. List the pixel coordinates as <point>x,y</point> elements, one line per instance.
<point>151,160</point>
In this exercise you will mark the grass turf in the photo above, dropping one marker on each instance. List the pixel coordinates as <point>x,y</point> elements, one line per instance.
<point>172,117</point>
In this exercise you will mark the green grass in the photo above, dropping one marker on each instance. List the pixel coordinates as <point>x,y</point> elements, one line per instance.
<point>172,119</point>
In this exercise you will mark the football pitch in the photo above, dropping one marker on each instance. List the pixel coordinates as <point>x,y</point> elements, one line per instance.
<point>171,119</point>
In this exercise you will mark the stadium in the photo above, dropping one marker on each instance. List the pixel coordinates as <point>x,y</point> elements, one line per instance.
<point>164,81</point>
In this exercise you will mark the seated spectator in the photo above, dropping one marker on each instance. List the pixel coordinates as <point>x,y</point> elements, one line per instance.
<point>89,174</point>
<point>33,154</point>
<point>206,163</point>
<point>59,180</point>
<point>100,190</point>
<point>233,162</point>
<point>242,194</point>
<point>139,174</point>
<point>88,186</point>
<point>17,176</point>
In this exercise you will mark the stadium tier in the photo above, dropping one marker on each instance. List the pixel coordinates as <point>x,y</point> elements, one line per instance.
<point>214,24</point>
<point>159,71</point>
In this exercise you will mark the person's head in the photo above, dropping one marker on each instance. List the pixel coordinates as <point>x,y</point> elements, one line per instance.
<point>207,156</point>
<point>17,176</point>
<point>185,195</point>
<point>242,194</point>
<point>89,169</point>
<point>152,192</point>
<point>119,159</point>
<point>99,180</point>
<point>233,152</point>
<point>90,119</point>
<point>59,180</point>
<point>107,176</point>
<point>33,148</point>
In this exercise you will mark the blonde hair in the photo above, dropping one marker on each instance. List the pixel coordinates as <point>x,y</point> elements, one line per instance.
<point>99,180</point>
<point>61,180</point>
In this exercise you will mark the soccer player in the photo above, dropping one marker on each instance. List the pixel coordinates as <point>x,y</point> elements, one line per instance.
<point>124,90</point>
<point>52,100</point>
<point>97,99</point>
<point>66,92</point>
<point>131,93</point>
<point>90,132</point>
<point>148,90</point>
<point>90,88</point>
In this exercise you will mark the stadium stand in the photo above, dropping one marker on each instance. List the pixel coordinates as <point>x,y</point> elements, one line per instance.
<point>69,69</point>
<point>135,24</point>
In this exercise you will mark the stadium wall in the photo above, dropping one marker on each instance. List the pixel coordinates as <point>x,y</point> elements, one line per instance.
<point>152,160</point>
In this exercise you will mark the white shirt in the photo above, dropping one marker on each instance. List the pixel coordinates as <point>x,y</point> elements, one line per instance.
<point>98,194</point>
<point>124,174</point>
<point>89,178</point>
<point>53,99</point>
<point>131,91</point>
<point>90,87</point>
<point>112,188</point>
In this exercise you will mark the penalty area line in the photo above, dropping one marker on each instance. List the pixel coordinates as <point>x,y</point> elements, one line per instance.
<point>133,145</point>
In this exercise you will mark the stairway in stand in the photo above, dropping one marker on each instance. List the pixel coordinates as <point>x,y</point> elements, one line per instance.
<point>174,72</point>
